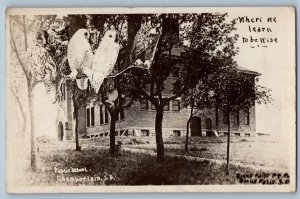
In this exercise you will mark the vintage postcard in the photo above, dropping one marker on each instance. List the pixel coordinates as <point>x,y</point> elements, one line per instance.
<point>150,100</point>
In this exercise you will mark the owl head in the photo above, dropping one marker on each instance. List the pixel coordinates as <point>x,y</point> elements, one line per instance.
<point>111,35</point>
<point>83,33</point>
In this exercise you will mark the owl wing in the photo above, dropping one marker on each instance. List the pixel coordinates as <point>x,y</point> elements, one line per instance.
<point>41,63</point>
<point>104,61</point>
<point>105,58</point>
<point>79,53</point>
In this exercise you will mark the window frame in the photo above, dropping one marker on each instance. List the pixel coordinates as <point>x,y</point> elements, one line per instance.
<point>101,114</point>
<point>175,133</point>
<point>146,103</point>
<point>225,115</point>
<point>88,119</point>
<point>178,105</point>
<point>168,106</point>
<point>145,131</point>
<point>247,117</point>
<point>92,116</point>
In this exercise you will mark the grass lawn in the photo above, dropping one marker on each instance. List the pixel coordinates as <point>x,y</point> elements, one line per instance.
<point>125,168</point>
<point>261,151</point>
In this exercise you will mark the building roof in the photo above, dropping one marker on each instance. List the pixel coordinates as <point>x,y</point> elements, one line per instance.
<point>245,70</point>
<point>176,51</point>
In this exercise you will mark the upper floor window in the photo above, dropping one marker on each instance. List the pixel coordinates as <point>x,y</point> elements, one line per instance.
<point>167,106</point>
<point>175,105</point>
<point>90,117</point>
<point>247,117</point>
<point>237,117</point>
<point>144,104</point>
<point>63,92</point>
<point>121,115</point>
<point>152,107</point>
<point>103,114</point>
<point>225,115</point>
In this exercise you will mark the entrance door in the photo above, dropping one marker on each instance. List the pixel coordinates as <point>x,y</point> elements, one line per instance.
<point>196,126</point>
<point>60,131</point>
<point>208,127</point>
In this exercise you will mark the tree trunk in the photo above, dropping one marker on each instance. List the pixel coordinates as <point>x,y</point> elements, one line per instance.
<point>76,109</point>
<point>24,126</point>
<point>228,140</point>
<point>32,126</point>
<point>217,117</point>
<point>187,135</point>
<point>25,33</point>
<point>112,136</point>
<point>78,148</point>
<point>187,128</point>
<point>158,134</point>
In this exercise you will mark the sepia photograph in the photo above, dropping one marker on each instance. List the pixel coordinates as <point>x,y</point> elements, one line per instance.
<point>150,99</point>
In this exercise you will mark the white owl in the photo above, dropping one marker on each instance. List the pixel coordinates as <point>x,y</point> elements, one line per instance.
<point>105,59</point>
<point>80,55</point>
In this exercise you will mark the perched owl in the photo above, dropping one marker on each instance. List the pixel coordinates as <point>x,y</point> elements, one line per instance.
<point>42,67</point>
<point>79,53</point>
<point>144,45</point>
<point>105,59</point>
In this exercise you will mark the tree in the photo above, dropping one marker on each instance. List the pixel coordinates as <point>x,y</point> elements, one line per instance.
<point>237,90</point>
<point>200,38</point>
<point>115,94</point>
<point>196,99</point>
<point>29,65</point>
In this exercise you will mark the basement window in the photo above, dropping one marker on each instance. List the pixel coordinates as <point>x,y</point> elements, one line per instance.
<point>145,132</point>
<point>176,133</point>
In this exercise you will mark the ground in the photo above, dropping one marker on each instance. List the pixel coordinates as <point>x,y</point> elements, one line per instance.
<point>135,163</point>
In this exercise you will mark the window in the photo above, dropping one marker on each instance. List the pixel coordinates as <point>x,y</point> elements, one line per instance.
<point>101,114</point>
<point>92,116</point>
<point>152,107</point>
<point>225,115</point>
<point>67,126</point>
<point>167,106</point>
<point>144,104</point>
<point>144,132</point>
<point>237,118</point>
<point>247,117</point>
<point>175,105</point>
<point>88,117</point>
<point>105,116</point>
<point>63,92</point>
<point>176,133</point>
<point>121,115</point>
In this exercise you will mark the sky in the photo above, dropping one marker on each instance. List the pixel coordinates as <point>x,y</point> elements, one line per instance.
<point>276,63</point>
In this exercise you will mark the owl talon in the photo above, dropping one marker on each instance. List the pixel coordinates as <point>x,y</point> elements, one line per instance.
<point>73,74</point>
<point>138,62</point>
<point>147,63</point>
